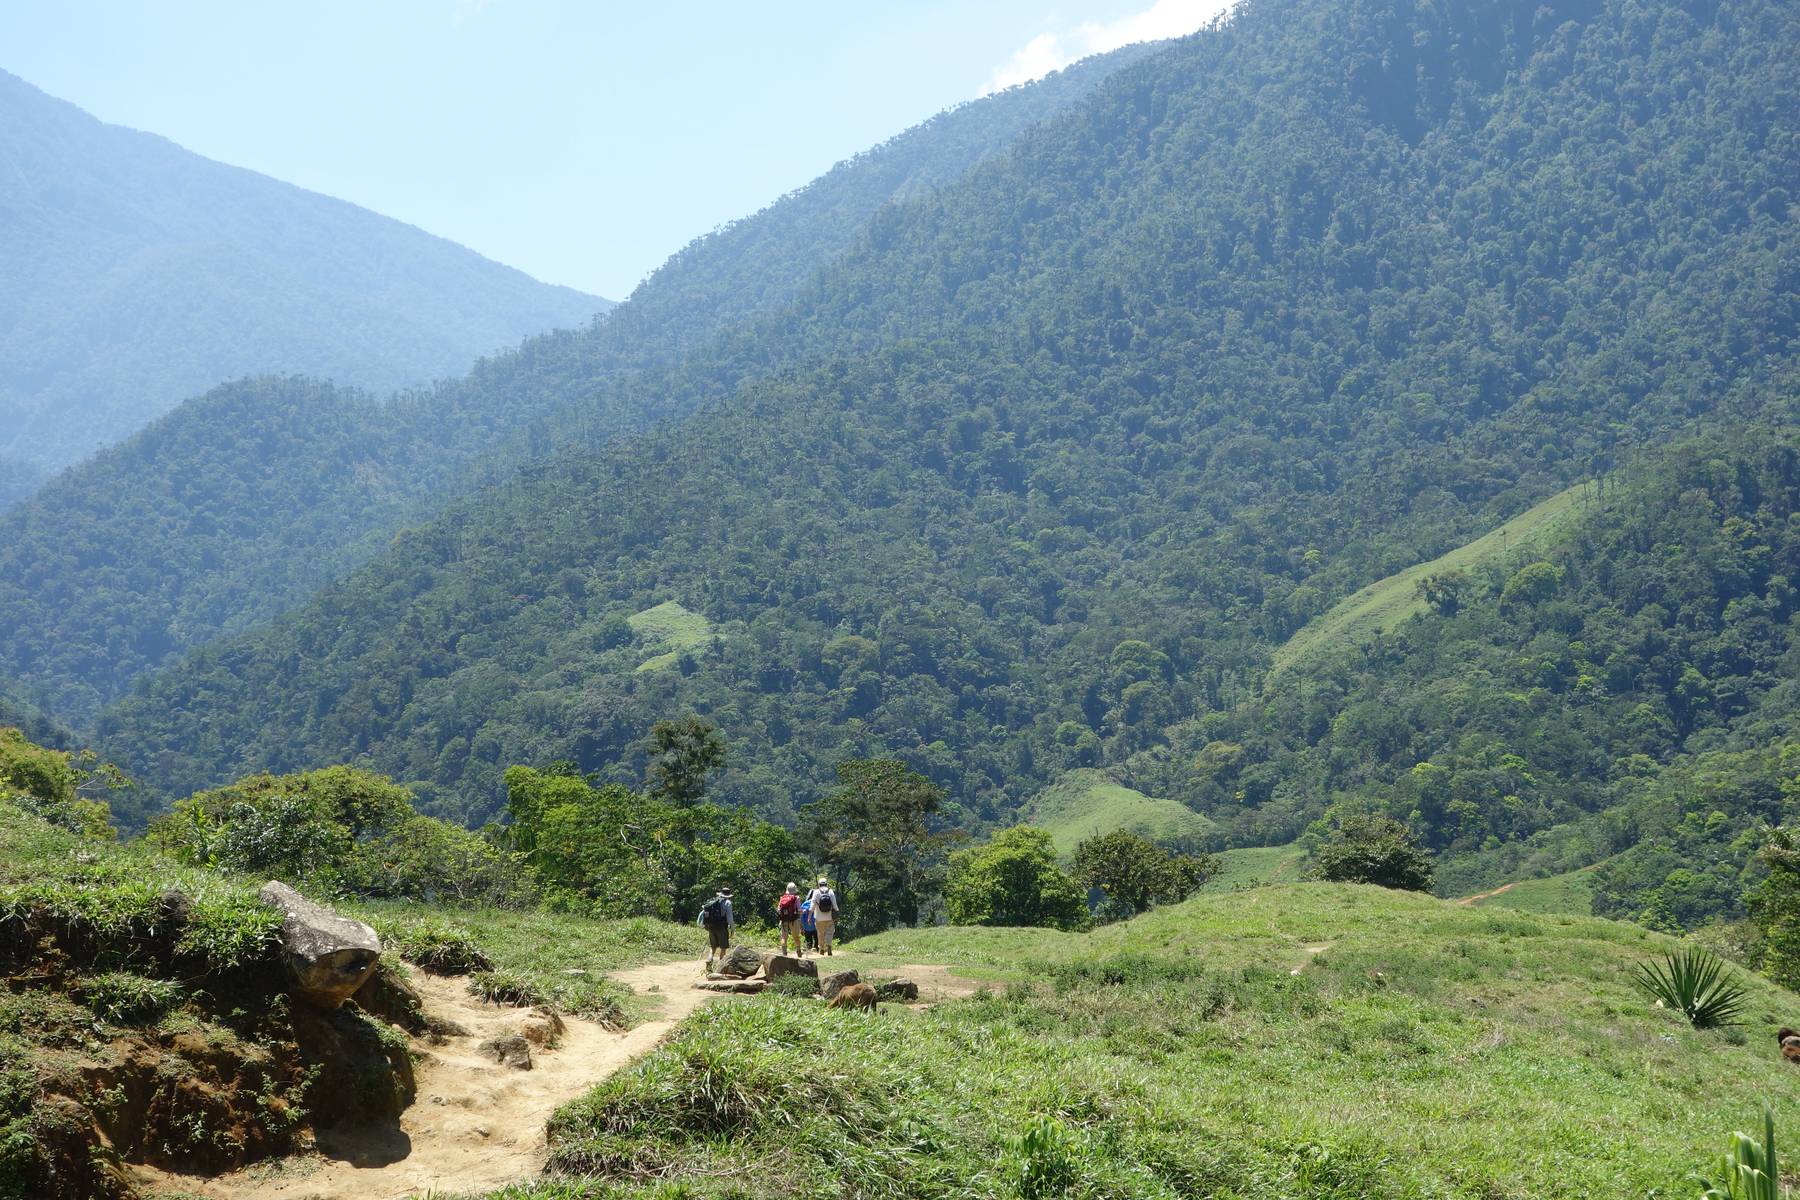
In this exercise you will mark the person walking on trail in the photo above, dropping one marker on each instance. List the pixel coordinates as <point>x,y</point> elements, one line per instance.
<point>825,912</point>
<point>715,916</point>
<point>809,928</point>
<point>787,911</point>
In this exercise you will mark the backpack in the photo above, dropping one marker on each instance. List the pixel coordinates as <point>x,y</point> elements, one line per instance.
<point>712,913</point>
<point>826,904</point>
<point>788,907</point>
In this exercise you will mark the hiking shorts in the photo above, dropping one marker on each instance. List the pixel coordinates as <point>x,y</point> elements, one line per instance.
<point>718,938</point>
<point>791,929</point>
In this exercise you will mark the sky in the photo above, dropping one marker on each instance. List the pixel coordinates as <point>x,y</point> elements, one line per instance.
<point>582,141</point>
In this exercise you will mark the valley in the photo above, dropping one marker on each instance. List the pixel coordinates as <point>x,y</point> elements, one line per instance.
<point>1250,583</point>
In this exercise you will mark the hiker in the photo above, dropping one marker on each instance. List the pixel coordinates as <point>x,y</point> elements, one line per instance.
<point>809,928</point>
<point>787,911</point>
<point>715,915</point>
<point>824,903</point>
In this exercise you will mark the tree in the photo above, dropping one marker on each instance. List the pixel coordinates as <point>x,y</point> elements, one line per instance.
<point>1378,850</point>
<point>682,754</point>
<point>1136,873</point>
<point>1444,591</point>
<point>52,783</point>
<point>876,831</point>
<point>1775,908</point>
<point>1013,880</point>
<point>1532,583</point>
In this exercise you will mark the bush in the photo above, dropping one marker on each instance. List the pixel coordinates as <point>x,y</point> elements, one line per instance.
<point>1013,880</point>
<point>1378,850</point>
<point>795,986</point>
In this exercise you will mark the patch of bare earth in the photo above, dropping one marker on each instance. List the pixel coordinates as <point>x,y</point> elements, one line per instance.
<point>477,1125</point>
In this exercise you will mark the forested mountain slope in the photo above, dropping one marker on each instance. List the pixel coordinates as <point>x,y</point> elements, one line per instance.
<point>138,274</point>
<point>240,504</point>
<point>1271,314</point>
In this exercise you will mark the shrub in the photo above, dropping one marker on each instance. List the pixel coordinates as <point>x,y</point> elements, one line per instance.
<point>795,986</point>
<point>1694,983</point>
<point>1013,880</point>
<point>1378,850</point>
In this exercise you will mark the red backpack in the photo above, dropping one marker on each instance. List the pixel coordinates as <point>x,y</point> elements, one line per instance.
<point>788,907</point>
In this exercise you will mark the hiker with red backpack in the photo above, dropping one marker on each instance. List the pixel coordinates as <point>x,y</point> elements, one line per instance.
<point>824,903</point>
<point>787,912</point>
<point>715,916</point>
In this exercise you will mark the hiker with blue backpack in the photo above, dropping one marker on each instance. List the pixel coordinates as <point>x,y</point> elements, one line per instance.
<point>824,903</point>
<point>715,916</point>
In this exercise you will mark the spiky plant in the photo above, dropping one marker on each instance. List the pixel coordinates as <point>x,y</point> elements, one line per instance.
<point>1694,982</point>
<point>1748,1171</point>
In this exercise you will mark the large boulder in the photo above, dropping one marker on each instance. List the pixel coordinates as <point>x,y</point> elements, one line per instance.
<point>329,956</point>
<point>786,964</point>
<point>831,985</point>
<point>740,962</point>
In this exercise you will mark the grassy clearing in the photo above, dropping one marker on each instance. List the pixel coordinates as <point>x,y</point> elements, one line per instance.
<point>1570,893</point>
<point>1297,1040</point>
<point>1385,604</point>
<point>1084,803</point>
<point>538,957</point>
<point>667,630</point>
<point>1254,866</point>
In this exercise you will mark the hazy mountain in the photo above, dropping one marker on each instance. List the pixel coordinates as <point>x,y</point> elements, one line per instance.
<point>241,503</point>
<point>138,274</point>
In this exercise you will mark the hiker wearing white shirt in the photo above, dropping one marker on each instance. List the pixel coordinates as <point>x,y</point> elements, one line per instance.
<point>825,910</point>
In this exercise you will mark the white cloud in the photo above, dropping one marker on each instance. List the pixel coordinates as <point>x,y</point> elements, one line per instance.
<point>1049,52</point>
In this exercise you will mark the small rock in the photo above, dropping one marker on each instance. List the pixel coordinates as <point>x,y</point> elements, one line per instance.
<point>655,987</point>
<point>740,962</point>
<point>897,989</point>
<point>542,1026</point>
<point>831,985</point>
<point>574,971</point>
<point>509,1050</point>
<point>786,964</point>
<point>747,987</point>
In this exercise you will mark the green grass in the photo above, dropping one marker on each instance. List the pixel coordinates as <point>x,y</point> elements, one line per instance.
<point>1253,866</point>
<point>1084,802</point>
<point>1307,1040</point>
<point>533,953</point>
<point>1385,604</point>
<point>1570,893</point>
<point>666,631</point>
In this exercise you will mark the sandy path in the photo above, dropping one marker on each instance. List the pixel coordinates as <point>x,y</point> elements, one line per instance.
<point>476,1125</point>
<point>1478,896</point>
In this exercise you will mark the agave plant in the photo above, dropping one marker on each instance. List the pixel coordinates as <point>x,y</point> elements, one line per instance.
<point>1694,982</point>
<point>1748,1171</point>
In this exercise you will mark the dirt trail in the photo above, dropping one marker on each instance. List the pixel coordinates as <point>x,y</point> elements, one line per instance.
<point>1478,896</point>
<point>476,1125</point>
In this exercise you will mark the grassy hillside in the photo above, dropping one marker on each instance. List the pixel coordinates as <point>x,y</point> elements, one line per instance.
<point>1384,604</point>
<point>1301,1041</point>
<point>1084,803</point>
<point>1253,866</point>
<point>1571,892</point>
<point>668,631</point>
